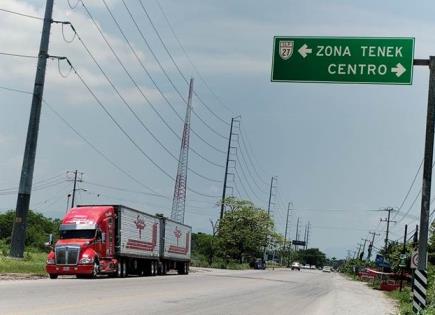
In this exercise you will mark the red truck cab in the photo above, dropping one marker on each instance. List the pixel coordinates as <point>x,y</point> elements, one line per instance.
<point>86,245</point>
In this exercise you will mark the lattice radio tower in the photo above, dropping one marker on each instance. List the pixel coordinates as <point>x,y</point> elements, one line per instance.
<point>179,201</point>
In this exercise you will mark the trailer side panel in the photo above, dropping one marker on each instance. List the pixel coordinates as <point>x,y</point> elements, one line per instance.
<point>139,234</point>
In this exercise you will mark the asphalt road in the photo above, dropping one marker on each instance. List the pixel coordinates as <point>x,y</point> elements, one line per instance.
<point>202,292</point>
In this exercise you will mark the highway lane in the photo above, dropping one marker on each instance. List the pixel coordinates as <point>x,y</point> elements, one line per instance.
<point>203,292</point>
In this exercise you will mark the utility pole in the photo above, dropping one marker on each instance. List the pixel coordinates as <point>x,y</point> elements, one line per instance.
<point>403,252</point>
<point>415,238</point>
<point>297,233</point>
<point>308,235</point>
<point>305,235</point>
<point>388,227</point>
<point>78,177</point>
<point>369,253</point>
<point>268,212</point>
<point>364,248</point>
<point>359,250</point>
<point>286,228</point>
<point>226,167</point>
<point>270,193</point>
<point>23,200</point>
<point>286,223</point>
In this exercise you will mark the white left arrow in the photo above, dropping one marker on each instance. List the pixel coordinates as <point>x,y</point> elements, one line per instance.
<point>304,50</point>
<point>398,69</point>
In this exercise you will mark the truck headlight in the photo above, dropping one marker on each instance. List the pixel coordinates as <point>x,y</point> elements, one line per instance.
<point>50,261</point>
<point>86,260</point>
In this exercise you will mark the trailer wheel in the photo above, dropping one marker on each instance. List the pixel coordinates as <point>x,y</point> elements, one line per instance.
<point>181,268</point>
<point>119,269</point>
<point>186,268</point>
<point>153,268</point>
<point>124,269</point>
<point>164,268</point>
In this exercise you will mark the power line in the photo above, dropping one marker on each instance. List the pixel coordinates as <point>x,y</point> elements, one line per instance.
<point>97,150</point>
<point>167,77</point>
<point>246,144</point>
<point>129,137</point>
<point>17,55</point>
<point>127,190</point>
<point>247,167</point>
<point>22,14</point>
<point>149,76</point>
<point>132,111</point>
<point>180,72</point>
<point>194,67</point>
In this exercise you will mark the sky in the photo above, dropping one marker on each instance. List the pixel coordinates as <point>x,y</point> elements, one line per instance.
<point>340,152</point>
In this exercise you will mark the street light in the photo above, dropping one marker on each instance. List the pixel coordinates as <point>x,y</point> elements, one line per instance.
<point>73,199</point>
<point>67,202</point>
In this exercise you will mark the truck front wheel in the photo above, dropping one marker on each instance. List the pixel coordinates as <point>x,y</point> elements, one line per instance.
<point>53,276</point>
<point>95,270</point>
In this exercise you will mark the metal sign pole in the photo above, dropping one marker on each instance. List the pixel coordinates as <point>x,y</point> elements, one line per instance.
<point>420,280</point>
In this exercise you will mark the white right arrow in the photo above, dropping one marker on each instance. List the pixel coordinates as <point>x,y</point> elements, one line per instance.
<point>304,50</point>
<point>399,70</point>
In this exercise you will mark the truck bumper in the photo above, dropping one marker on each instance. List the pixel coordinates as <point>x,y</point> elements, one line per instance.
<point>69,270</point>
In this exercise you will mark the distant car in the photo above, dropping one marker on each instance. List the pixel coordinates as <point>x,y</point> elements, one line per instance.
<point>326,269</point>
<point>259,264</point>
<point>296,266</point>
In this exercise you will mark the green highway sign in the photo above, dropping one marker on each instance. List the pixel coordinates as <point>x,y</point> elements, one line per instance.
<point>376,60</point>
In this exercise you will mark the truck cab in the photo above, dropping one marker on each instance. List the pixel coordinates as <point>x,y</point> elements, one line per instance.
<point>86,244</point>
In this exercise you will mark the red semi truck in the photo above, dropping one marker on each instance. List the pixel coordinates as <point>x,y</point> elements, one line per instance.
<point>117,241</point>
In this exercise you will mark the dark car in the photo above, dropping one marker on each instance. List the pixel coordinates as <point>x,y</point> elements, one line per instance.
<point>259,264</point>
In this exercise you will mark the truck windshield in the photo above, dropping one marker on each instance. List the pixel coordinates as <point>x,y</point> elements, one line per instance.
<point>85,234</point>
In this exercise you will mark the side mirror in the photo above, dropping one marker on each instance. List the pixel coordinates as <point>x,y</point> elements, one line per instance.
<point>50,241</point>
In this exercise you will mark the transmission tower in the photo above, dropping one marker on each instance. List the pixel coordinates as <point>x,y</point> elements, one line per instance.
<point>179,201</point>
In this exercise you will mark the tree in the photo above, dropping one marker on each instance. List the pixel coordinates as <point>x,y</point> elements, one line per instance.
<point>205,244</point>
<point>38,228</point>
<point>243,231</point>
<point>312,256</point>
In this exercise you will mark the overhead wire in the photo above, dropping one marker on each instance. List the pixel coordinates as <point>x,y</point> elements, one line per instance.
<point>128,136</point>
<point>132,111</point>
<point>246,144</point>
<point>167,75</point>
<point>180,72</point>
<point>18,55</point>
<point>22,14</point>
<point>191,62</point>
<point>88,142</point>
<point>149,76</point>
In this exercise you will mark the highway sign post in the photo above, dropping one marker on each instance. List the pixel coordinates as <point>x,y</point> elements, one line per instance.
<point>414,260</point>
<point>370,60</point>
<point>343,60</point>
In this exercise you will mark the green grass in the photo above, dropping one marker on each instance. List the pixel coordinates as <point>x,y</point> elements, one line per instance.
<point>404,300</point>
<point>200,261</point>
<point>32,263</point>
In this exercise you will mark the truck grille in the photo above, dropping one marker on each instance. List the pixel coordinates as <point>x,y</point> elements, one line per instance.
<point>67,255</point>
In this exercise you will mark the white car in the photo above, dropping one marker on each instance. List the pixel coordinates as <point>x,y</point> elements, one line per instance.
<point>326,269</point>
<point>296,266</point>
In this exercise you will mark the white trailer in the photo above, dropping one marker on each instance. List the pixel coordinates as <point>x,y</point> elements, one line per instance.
<point>150,245</point>
<point>175,246</point>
